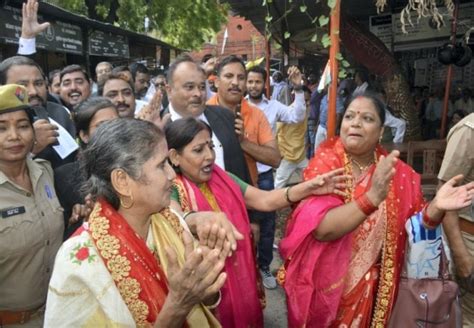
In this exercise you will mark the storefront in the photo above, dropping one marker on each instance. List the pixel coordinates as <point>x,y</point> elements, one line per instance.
<point>417,50</point>
<point>75,39</point>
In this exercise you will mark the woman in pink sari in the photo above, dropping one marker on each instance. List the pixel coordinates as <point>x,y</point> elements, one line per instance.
<point>343,255</point>
<point>202,186</point>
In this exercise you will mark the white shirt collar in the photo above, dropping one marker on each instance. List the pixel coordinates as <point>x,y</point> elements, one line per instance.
<point>264,100</point>
<point>176,116</point>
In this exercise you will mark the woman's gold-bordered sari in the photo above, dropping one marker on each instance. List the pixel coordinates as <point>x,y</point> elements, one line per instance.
<point>352,280</point>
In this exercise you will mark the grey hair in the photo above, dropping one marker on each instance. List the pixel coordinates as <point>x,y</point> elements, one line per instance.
<point>121,143</point>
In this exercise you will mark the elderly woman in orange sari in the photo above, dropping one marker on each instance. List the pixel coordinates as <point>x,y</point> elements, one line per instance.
<point>344,255</point>
<point>202,186</point>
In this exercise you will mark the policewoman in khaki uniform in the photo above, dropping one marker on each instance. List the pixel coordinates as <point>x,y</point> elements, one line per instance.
<point>459,226</point>
<point>31,220</point>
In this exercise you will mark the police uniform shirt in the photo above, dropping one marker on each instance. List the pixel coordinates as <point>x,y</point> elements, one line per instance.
<point>459,157</point>
<point>31,230</point>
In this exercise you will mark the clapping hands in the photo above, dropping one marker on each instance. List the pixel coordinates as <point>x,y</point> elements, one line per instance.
<point>200,276</point>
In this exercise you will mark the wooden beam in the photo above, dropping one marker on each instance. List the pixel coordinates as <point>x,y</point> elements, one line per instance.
<point>449,75</point>
<point>334,65</point>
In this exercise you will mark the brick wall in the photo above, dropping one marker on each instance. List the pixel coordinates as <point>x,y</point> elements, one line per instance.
<point>243,40</point>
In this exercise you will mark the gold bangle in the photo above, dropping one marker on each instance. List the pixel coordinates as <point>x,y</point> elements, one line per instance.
<point>287,194</point>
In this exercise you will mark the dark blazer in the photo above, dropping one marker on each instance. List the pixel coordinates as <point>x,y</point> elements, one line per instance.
<point>68,180</point>
<point>221,121</point>
<point>60,115</point>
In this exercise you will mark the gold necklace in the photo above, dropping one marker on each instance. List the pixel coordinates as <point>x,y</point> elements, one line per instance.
<point>361,167</point>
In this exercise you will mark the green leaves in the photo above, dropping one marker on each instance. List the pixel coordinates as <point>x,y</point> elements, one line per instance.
<point>342,74</point>
<point>303,8</point>
<point>183,23</point>
<point>332,3</point>
<point>326,40</point>
<point>314,38</point>
<point>323,20</point>
<point>287,35</point>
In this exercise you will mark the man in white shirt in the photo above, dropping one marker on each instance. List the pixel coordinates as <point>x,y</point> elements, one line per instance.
<point>361,80</point>
<point>397,125</point>
<point>275,112</point>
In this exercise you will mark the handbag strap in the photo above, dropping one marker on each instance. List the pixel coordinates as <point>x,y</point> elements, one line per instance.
<point>444,264</point>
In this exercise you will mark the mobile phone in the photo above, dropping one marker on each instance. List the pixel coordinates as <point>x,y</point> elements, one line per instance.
<point>237,110</point>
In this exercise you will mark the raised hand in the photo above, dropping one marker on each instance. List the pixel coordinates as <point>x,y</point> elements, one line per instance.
<point>210,65</point>
<point>155,102</point>
<point>384,172</point>
<point>332,182</point>
<point>198,279</point>
<point>30,27</point>
<point>150,110</point>
<point>451,197</point>
<point>294,76</point>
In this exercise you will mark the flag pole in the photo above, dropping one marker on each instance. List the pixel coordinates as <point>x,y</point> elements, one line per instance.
<point>333,51</point>
<point>268,56</point>
<point>224,40</point>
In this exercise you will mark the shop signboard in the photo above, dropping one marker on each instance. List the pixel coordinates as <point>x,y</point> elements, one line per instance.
<point>108,44</point>
<point>381,26</point>
<point>60,36</point>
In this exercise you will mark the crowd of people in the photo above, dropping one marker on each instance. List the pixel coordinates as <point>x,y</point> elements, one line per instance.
<point>149,201</point>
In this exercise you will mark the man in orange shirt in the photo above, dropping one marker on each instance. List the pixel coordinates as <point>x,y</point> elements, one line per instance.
<point>252,127</point>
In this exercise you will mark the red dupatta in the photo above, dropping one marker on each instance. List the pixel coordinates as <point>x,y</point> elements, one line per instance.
<point>134,269</point>
<point>314,271</point>
<point>240,305</point>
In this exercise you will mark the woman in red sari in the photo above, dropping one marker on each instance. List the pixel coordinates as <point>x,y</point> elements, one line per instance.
<point>343,256</point>
<point>202,186</point>
<point>110,273</point>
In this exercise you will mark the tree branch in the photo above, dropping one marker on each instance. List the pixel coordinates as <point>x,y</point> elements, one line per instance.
<point>112,17</point>
<point>91,9</point>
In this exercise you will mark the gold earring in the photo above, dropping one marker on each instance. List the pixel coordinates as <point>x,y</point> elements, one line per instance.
<point>126,206</point>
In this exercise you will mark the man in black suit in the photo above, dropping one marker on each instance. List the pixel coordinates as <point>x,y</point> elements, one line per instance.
<point>186,91</point>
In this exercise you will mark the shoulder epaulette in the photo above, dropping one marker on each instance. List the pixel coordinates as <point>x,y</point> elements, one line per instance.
<point>469,124</point>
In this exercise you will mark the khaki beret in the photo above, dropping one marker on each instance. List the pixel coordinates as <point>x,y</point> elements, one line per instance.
<point>13,97</point>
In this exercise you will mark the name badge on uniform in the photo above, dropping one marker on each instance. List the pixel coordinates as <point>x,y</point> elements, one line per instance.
<point>49,192</point>
<point>8,212</point>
